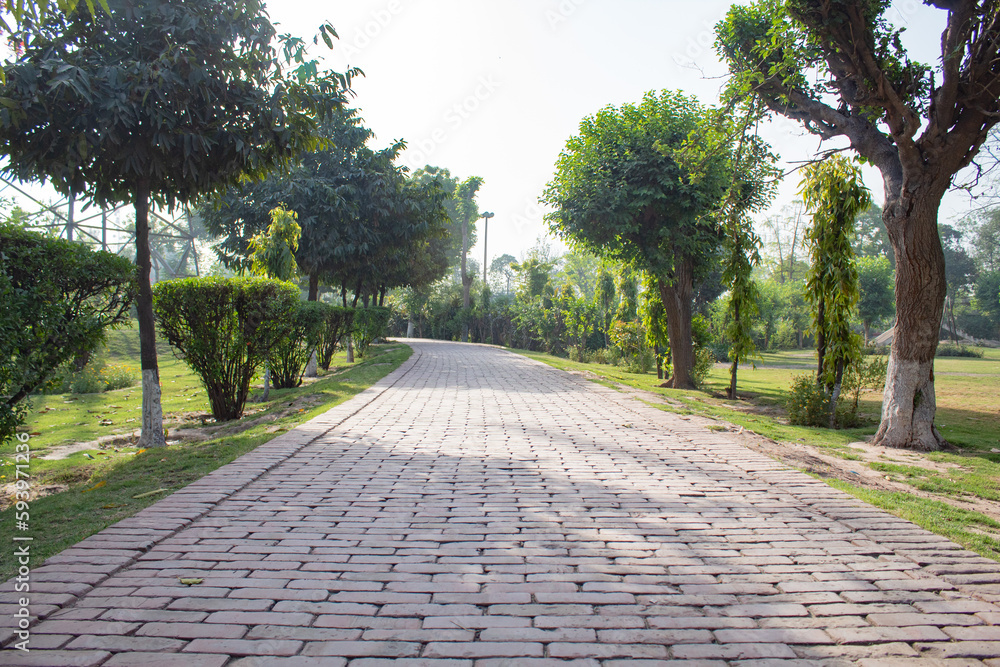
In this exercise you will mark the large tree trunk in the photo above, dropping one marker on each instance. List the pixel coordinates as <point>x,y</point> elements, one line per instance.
<point>908,403</point>
<point>677,298</point>
<point>313,286</point>
<point>152,410</point>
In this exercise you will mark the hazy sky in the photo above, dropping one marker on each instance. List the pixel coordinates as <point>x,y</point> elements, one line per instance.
<point>494,88</point>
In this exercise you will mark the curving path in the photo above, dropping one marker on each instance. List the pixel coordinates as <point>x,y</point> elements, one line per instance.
<point>477,508</point>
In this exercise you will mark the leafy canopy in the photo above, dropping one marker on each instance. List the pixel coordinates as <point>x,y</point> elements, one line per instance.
<point>179,98</point>
<point>636,184</point>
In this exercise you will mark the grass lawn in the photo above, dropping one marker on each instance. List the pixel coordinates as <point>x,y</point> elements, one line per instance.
<point>91,489</point>
<point>954,492</point>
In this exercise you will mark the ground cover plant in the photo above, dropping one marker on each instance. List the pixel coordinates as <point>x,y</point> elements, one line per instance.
<point>954,492</point>
<point>103,477</point>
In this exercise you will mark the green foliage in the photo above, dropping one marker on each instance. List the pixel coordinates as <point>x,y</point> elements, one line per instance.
<point>704,360</point>
<point>56,300</point>
<point>987,297</point>
<point>369,325</point>
<point>958,351</point>
<point>866,374</point>
<point>272,255</point>
<point>875,287</point>
<point>808,403</point>
<point>93,379</point>
<point>629,337</point>
<point>629,186</point>
<point>834,192</point>
<point>339,322</point>
<point>288,358</point>
<point>124,106</point>
<point>224,329</point>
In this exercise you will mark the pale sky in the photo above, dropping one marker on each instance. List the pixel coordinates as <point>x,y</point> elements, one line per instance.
<point>494,88</point>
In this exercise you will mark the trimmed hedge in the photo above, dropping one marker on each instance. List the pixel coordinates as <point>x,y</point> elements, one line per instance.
<point>339,322</point>
<point>370,324</point>
<point>224,328</point>
<point>289,357</point>
<point>56,299</point>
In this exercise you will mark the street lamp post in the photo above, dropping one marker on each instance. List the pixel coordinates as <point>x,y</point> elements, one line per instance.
<point>486,228</point>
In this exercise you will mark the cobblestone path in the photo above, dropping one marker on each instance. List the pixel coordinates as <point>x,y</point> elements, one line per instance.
<point>476,508</point>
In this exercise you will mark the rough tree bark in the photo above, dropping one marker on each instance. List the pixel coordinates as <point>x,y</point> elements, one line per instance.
<point>908,402</point>
<point>677,297</point>
<point>152,410</point>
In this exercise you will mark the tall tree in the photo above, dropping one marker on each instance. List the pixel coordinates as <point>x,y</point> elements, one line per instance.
<point>637,185</point>
<point>468,212</point>
<point>834,193</point>
<point>158,101</point>
<point>838,67</point>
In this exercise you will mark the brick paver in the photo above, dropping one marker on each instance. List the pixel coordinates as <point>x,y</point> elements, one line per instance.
<point>476,509</point>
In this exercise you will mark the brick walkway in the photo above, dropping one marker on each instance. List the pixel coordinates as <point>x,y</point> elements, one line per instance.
<point>479,509</point>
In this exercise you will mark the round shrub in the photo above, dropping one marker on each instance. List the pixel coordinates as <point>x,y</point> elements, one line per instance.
<point>56,299</point>
<point>224,329</point>
<point>289,357</point>
<point>808,403</point>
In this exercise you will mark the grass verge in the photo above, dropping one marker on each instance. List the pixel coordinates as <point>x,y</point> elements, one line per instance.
<point>103,486</point>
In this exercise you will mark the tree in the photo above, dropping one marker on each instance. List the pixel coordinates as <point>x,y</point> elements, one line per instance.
<point>501,265</point>
<point>875,289</point>
<point>834,193</point>
<point>786,238</point>
<point>870,238</point>
<point>56,300</point>
<point>959,272</point>
<point>637,185</point>
<point>987,297</point>
<point>467,211</point>
<point>158,101</point>
<point>839,68</point>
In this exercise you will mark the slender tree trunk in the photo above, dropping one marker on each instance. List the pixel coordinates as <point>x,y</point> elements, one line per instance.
<point>659,362</point>
<point>866,326</point>
<point>677,299</point>
<point>835,394</point>
<point>152,410</point>
<point>343,294</point>
<point>908,402</point>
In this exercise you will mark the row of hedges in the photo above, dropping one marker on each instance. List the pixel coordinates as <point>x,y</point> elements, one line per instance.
<point>226,329</point>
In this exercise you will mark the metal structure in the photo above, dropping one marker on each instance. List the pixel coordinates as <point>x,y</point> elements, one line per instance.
<point>112,229</point>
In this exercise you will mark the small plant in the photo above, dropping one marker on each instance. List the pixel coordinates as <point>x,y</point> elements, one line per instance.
<point>629,337</point>
<point>949,350</point>
<point>641,363</point>
<point>579,353</point>
<point>808,403</point>
<point>602,356</point>
<point>87,381</point>
<point>703,362</point>
<point>118,376</point>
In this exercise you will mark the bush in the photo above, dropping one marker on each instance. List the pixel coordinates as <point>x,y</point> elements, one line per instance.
<point>56,300</point>
<point>579,353</point>
<point>602,356</point>
<point>641,363</point>
<point>369,325</point>
<point>339,322</point>
<point>703,362</point>
<point>224,329</point>
<point>629,337</point>
<point>808,403</point>
<point>875,350</point>
<point>287,360</point>
<point>949,350</point>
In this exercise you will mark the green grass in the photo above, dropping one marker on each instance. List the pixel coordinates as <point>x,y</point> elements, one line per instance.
<point>103,488</point>
<point>967,416</point>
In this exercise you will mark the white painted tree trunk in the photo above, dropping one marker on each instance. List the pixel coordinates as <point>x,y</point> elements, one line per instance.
<point>152,411</point>
<point>908,405</point>
<point>410,327</point>
<point>312,366</point>
<point>350,350</point>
